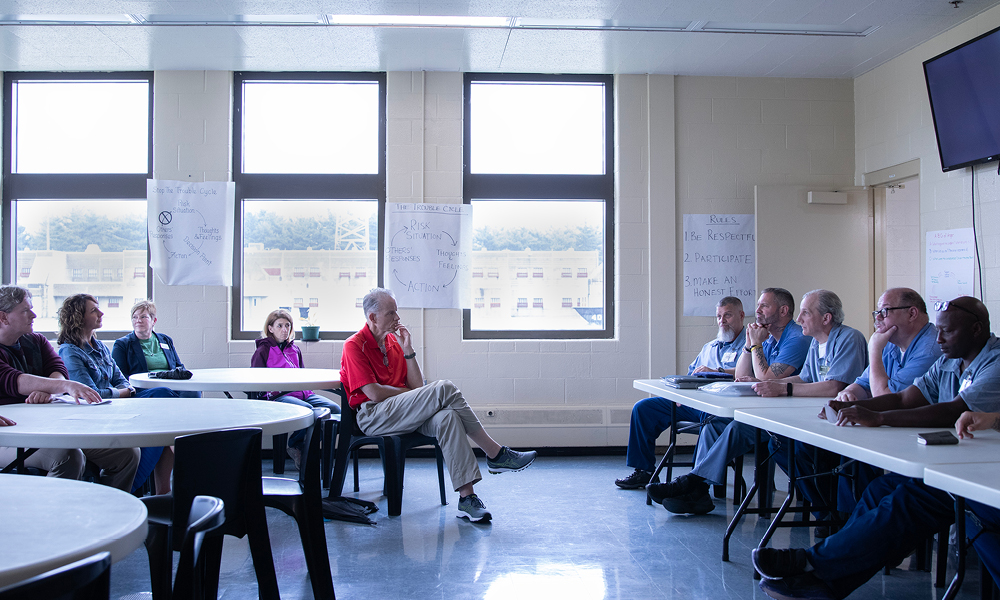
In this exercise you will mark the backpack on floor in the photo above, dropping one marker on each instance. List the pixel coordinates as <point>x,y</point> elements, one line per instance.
<point>349,509</point>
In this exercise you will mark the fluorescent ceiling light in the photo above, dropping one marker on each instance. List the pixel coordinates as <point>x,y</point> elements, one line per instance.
<point>419,21</point>
<point>444,21</point>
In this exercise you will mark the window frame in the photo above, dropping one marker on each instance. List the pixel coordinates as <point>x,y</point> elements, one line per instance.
<point>68,186</point>
<point>281,186</point>
<point>490,186</point>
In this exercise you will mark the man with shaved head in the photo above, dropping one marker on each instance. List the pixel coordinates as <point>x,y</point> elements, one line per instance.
<point>896,513</point>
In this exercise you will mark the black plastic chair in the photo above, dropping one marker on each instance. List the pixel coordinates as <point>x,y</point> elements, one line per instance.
<point>207,515</point>
<point>87,579</point>
<point>392,448</point>
<point>302,499</point>
<point>280,441</point>
<point>224,464</point>
<point>668,462</point>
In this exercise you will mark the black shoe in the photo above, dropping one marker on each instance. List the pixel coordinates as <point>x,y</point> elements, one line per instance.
<point>637,480</point>
<point>800,587</point>
<point>697,503</point>
<point>685,484</point>
<point>777,564</point>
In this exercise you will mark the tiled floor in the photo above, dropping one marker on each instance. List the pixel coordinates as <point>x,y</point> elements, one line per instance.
<point>561,529</point>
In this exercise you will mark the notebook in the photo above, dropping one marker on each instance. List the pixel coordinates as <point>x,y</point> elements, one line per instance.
<point>687,382</point>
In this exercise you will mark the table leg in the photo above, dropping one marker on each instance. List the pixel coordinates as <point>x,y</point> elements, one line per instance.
<point>17,465</point>
<point>956,582</point>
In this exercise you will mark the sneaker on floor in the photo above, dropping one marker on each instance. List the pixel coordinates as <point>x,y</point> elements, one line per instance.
<point>773,563</point>
<point>692,503</point>
<point>685,484</point>
<point>296,455</point>
<point>637,480</point>
<point>510,460</point>
<point>800,587</point>
<point>474,507</point>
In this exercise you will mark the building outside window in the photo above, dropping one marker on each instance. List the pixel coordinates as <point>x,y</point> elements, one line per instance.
<point>77,154</point>
<point>309,157</point>
<point>539,174</point>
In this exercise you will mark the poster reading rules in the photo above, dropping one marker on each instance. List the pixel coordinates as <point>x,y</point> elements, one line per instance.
<point>719,261</point>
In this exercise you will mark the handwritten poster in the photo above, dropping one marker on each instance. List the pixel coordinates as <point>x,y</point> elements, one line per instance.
<point>719,261</point>
<point>191,231</point>
<point>950,260</point>
<point>428,254</point>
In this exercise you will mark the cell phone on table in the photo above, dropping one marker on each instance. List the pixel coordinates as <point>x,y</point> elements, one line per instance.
<point>937,438</point>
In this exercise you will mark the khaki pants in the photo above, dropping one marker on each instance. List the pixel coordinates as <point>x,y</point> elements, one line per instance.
<point>437,409</point>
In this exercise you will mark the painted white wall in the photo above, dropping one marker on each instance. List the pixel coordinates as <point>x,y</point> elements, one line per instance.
<point>687,144</point>
<point>893,125</point>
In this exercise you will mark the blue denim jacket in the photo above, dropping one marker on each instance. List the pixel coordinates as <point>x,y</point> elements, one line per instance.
<point>93,366</point>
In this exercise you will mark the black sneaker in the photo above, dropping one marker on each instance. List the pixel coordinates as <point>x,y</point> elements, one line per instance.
<point>774,564</point>
<point>510,460</point>
<point>692,503</point>
<point>800,587</point>
<point>637,480</point>
<point>685,484</point>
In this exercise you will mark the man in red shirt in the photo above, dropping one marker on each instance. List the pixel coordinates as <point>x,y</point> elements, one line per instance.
<point>380,373</point>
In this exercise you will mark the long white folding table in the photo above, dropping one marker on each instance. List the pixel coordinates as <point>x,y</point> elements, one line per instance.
<point>48,523</point>
<point>895,449</point>
<point>727,406</point>
<point>973,481</point>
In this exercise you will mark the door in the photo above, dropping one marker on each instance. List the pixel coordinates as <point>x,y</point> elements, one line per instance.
<point>802,247</point>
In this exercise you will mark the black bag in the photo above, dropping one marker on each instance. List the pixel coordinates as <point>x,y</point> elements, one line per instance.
<point>349,509</point>
<point>175,373</point>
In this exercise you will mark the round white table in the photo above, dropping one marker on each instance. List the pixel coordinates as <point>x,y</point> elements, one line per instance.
<point>245,380</point>
<point>49,522</point>
<point>142,422</point>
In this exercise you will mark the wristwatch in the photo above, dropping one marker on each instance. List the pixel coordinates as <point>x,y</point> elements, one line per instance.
<point>788,389</point>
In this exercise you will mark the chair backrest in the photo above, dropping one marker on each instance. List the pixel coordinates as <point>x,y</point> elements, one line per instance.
<point>87,579</point>
<point>224,464</point>
<point>207,515</point>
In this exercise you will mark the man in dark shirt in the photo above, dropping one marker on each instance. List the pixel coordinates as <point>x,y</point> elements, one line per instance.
<point>32,372</point>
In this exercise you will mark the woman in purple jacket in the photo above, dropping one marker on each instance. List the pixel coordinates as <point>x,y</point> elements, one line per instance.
<point>277,350</point>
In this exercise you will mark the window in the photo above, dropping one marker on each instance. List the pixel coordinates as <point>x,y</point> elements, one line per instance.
<point>567,303</point>
<point>113,302</point>
<point>308,157</point>
<point>477,273</point>
<point>297,302</point>
<point>272,271</point>
<point>139,273</point>
<point>480,302</point>
<point>581,273</point>
<point>494,302</point>
<point>313,302</point>
<point>76,157</point>
<point>358,303</point>
<point>539,174</point>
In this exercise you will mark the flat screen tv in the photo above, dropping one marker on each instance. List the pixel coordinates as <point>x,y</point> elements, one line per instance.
<point>964,89</point>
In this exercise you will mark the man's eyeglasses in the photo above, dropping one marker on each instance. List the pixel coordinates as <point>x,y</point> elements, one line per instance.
<point>885,311</point>
<point>944,305</point>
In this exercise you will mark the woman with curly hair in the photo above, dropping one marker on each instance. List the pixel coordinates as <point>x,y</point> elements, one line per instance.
<point>89,362</point>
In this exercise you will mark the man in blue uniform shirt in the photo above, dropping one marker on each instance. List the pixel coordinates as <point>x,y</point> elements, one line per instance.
<point>651,417</point>
<point>775,348</point>
<point>897,513</point>
<point>837,356</point>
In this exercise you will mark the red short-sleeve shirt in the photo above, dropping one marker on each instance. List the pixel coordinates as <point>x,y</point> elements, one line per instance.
<point>362,362</point>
